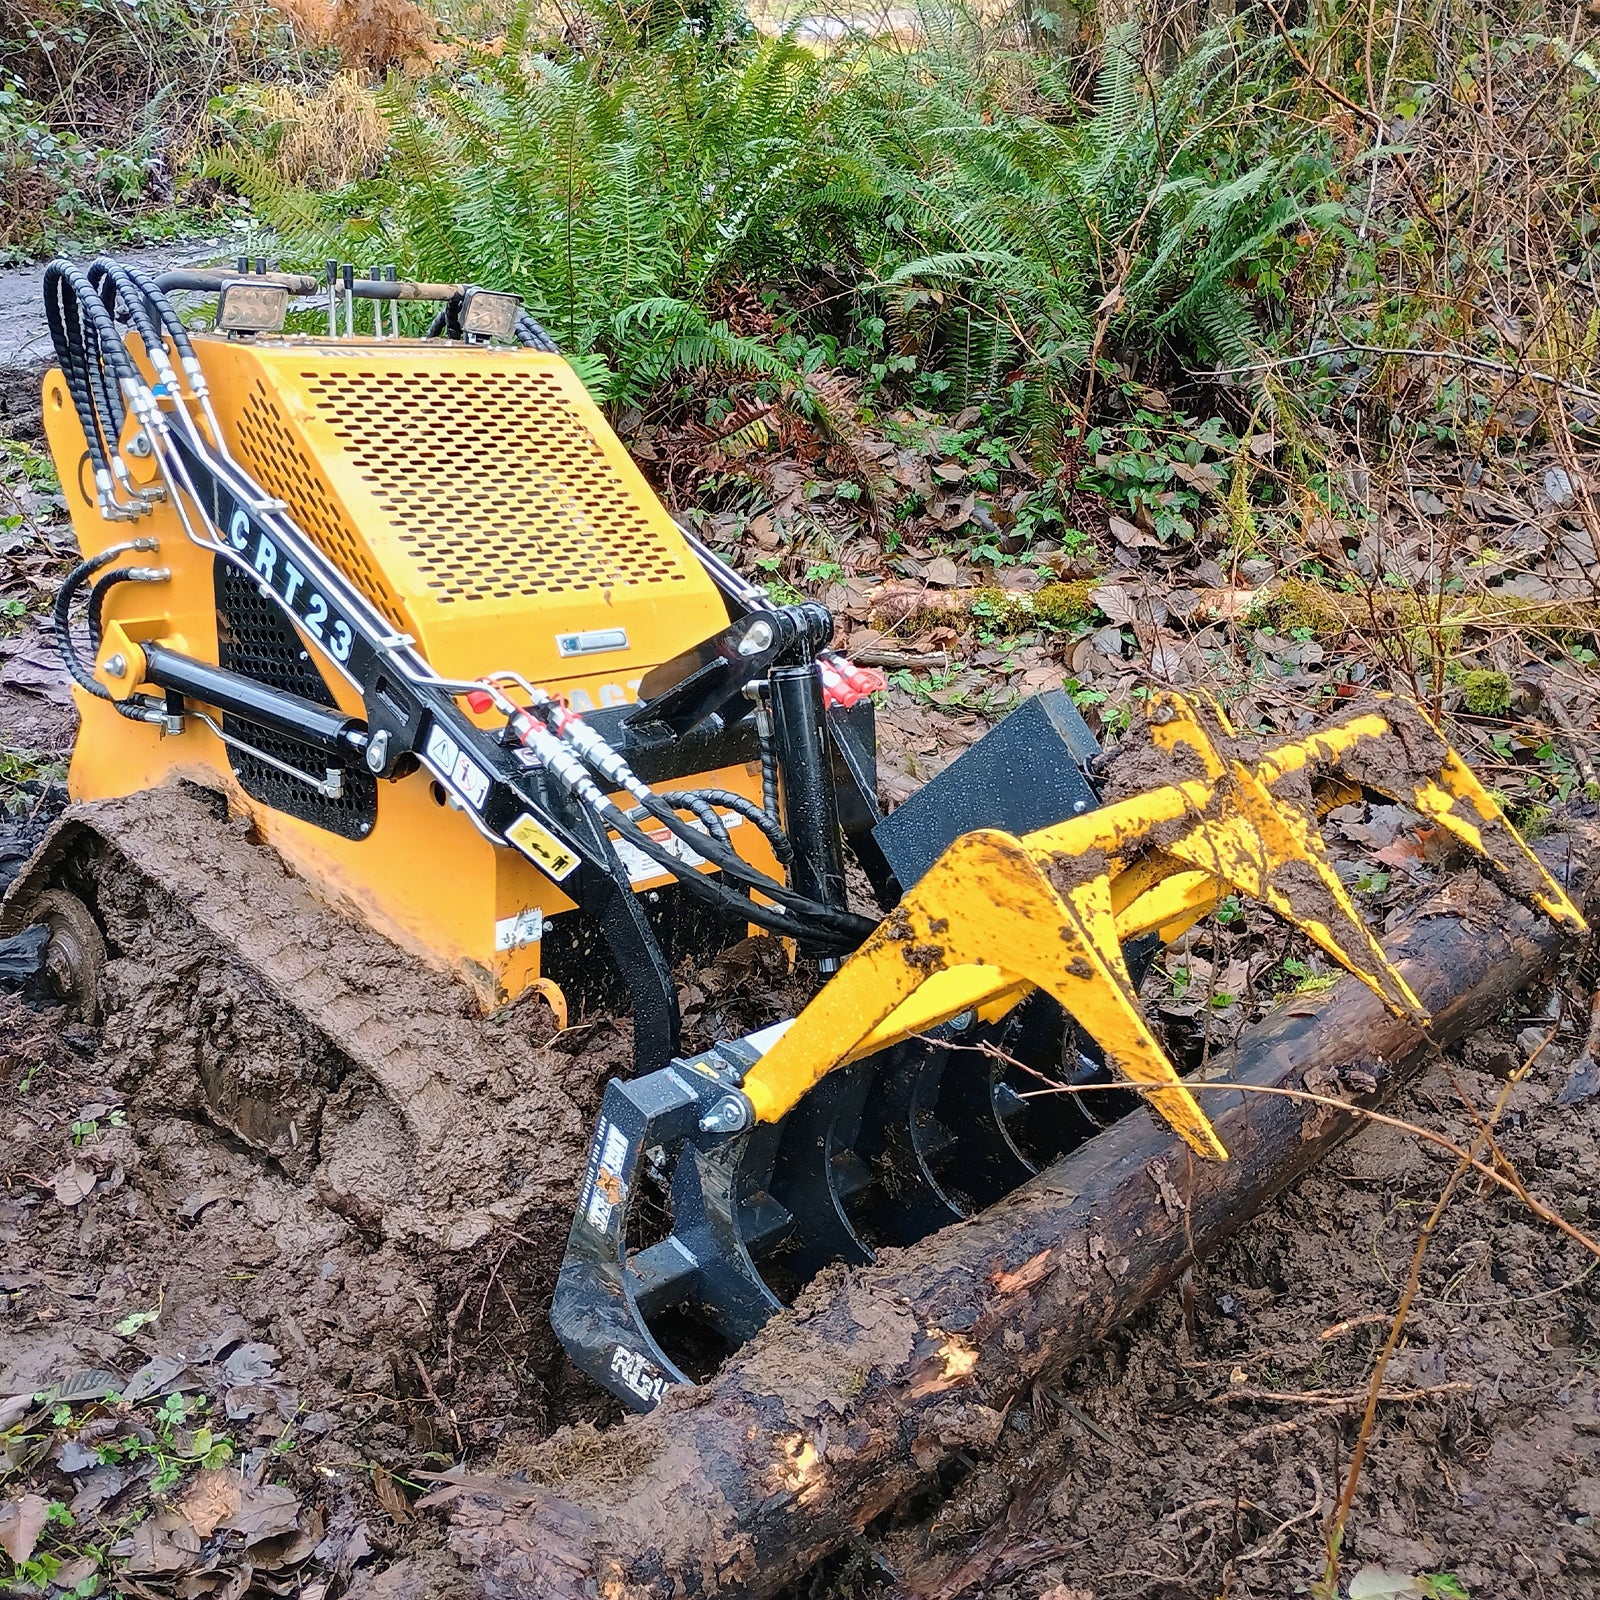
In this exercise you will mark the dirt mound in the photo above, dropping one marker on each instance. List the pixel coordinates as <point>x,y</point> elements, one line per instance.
<point>295,1208</point>
<point>296,1132</point>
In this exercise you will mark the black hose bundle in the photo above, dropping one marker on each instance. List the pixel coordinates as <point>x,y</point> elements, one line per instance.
<point>137,708</point>
<point>532,335</point>
<point>794,915</point>
<point>94,362</point>
<point>446,324</point>
<point>60,619</point>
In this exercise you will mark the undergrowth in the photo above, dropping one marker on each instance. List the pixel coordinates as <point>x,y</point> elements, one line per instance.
<point>931,234</point>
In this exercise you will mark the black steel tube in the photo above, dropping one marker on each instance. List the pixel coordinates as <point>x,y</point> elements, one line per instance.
<point>805,775</point>
<point>324,727</point>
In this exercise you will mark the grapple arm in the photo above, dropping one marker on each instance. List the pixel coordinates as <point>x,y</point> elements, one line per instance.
<point>995,918</point>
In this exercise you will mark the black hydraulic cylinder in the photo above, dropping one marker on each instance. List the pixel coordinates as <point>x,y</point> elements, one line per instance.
<point>323,727</point>
<point>805,777</point>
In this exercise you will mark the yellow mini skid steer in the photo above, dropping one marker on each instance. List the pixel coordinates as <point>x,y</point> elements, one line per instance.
<point>409,604</point>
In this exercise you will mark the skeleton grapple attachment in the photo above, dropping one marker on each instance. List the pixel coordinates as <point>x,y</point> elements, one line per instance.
<point>409,605</point>
<point>924,1080</point>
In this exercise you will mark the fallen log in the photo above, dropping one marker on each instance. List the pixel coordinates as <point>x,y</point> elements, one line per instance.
<point>841,1409</point>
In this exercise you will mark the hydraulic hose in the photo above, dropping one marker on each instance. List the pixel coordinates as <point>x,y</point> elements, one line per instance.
<point>62,627</point>
<point>64,317</point>
<point>703,812</point>
<point>533,336</point>
<point>116,284</point>
<point>708,889</point>
<point>566,744</point>
<point>746,808</point>
<point>97,596</point>
<point>816,914</point>
<point>60,613</point>
<point>99,373</point>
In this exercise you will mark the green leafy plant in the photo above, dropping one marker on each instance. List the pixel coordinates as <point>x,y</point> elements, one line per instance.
<point>626,191</point>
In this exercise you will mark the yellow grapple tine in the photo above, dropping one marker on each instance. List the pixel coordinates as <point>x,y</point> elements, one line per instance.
<point>1255,843</point>
<point>1167,901</point>
<point>1436,798</point>
<point>985,902</point>
<point>1251,838</point>
<point>1103,1002</point>
<point>1376,748</point>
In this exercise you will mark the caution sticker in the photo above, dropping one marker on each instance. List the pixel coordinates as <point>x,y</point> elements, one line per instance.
<point>513,933</point>
<point>542,847</point>
<point>457,768</point>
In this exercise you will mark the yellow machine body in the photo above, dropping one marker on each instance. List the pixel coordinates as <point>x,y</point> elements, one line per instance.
<point>478,497</point>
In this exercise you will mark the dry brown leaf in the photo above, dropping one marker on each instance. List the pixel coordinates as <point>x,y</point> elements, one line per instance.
<point>212,1499</point>
<point>1199,475</point>
<point>390,1495</point>
<point>1127,533</point>
<point>952,511</point>
<point>72,1183</point>
<point>163,1543</point>
<point>1166,657</point>
<point>21,1523</point>
<point>1115,601</point>
<point>264,1512</point>
<point>946,574</point>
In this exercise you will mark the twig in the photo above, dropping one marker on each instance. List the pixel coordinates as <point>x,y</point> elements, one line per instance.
<point>1465,1160</point>
<point>1083,1419</point>
<point>935,660</point>
<point>1257,1551</point>
<point>1331,1398</point>
<point>1352,1322</point>
<point>1372,118</point>
<point>439,1405</point>
<point>1487,363</point>
<point>1506,1180</point>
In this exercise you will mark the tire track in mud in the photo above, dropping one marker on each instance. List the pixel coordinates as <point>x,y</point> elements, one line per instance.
<point>350,1101</point>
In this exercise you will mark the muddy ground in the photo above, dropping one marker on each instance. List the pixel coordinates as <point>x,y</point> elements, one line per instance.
<point>250,1315</point>
<point>254,1342</point>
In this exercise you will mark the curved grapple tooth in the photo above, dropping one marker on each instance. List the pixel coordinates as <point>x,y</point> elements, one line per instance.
<point>901,1139</point>
<point>596,1311</point>
<point>711,1219</point>
<point>814,1172</point>
<point>634,1315</point>
<point>979,1110</point>
<point>1035,1104</point>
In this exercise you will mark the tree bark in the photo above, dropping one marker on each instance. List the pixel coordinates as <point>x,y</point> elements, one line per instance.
<point>844,1407</point>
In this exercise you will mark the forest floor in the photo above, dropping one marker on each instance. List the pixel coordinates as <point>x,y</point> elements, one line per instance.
<point>217,1377</point>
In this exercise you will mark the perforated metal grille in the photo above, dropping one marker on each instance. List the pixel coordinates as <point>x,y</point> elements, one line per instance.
<point>255,639</point>
<point>493,483</point>
<point>278,463</point>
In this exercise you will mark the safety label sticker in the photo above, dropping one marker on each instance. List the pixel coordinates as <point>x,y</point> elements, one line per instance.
<point>642,869</point>
<point>542,847</point>
<point>512,933</point>
<point>457,768</point>
<point>609,1188</point>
